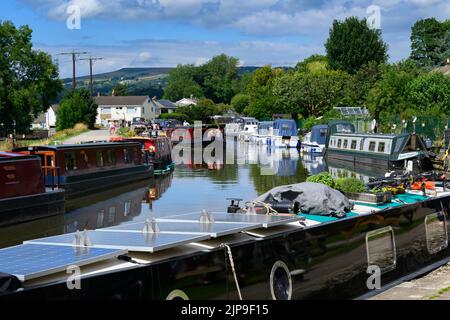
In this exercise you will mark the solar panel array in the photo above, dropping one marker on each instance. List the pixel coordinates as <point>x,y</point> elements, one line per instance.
<point>48,255</point>
<point>353,111</point>
<point>29,261</point>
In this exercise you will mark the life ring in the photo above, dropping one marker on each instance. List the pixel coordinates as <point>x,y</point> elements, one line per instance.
<point>177,295</point>
<point>280,281</point>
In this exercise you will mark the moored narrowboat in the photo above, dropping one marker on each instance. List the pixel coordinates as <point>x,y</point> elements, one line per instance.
<point>85,168</point>
<point>23,195</point>
<point>386,151</point>
<point>157,150</point>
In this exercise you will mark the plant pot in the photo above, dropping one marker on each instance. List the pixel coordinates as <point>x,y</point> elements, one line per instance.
<point>376,198</point>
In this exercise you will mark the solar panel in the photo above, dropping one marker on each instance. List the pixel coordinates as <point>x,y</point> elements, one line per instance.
<point>30,261</point>
<point>186,227</point>
<point>267,221</point>
<point>131,241</point>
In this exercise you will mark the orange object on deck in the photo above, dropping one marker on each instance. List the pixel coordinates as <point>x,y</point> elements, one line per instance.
<point>429,185</point>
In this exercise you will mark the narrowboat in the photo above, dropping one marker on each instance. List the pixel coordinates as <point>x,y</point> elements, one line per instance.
<point>157,150</point>
<point>386,151</point>
<point>208,255</point>
<point>315,141</point>
<point>265,131</point>
<point>285,134</point>
<point>23,195</point>
<point>82,169</point>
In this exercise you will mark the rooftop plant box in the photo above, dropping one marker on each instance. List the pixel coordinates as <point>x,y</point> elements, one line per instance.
<point>375,198</point>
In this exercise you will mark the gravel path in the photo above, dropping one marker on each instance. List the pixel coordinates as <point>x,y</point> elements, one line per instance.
<point>93,135</point>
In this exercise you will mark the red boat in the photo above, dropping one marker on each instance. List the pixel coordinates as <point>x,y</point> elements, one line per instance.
<point>157,150</point>
<point>86,168</point>
<point>23,195</point>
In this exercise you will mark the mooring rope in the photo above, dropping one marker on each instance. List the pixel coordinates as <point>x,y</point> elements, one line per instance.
<point>230,257</point>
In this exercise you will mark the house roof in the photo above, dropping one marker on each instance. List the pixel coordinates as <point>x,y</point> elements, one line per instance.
<point>167,104</point>
<point>186,102</point>
<point>40,118</point>
<point>55,107</point>
<point>444,69</point>
<point>121,100</point>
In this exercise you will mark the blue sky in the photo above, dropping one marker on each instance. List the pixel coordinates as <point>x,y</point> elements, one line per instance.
<point>141,33</point>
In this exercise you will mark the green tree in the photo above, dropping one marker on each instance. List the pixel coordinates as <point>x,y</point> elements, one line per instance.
<point>314,62</point>
<point>204,109</point>
<point>77,107</point>
<point>220,78</point>
<point>430,94</point>
<point>28,78</point>
<point>262,103</point>
<point>311,93</point>
<point>352,44</point>
<point>182,83</point>
<point>428,42</point>
<point>388,96</point>
<point>120,90</point>
<point>362,82</point>
<point>240,102</point>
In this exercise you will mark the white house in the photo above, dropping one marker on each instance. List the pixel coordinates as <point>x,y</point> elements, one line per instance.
<point>123,109</point>
<point>46,120</point>
<point>186,102</point>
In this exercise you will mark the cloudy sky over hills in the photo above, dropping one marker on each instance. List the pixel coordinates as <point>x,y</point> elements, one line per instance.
<point>134,33</point>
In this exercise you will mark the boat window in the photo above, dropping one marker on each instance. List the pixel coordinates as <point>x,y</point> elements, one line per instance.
<point>399,144</point>
<point>380,246</point>
<point>339,143</point>
<point>436,232</point>
<point>280,281</point>
<point>353,146</point>
<point>381,146</point>
<point>345,144</point>
<point>111,158</point>
<point>100,160</point>
<point>70,161</point>
<point>372,146</point>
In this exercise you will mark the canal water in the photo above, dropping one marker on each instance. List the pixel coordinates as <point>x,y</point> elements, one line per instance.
<point>190,188</point>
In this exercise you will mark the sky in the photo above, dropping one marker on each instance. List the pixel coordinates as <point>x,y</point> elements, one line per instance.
<point>164,33</point>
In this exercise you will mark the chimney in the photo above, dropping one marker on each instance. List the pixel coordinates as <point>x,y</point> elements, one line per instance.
<point>113,93</point>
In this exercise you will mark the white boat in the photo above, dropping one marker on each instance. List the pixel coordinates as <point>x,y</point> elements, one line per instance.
<point>285,134</point>
<point>250,128</point>
<point>315,141</point>
<point>265,131</point>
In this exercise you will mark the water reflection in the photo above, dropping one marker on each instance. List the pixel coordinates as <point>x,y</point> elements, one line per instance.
<point>191,188</point>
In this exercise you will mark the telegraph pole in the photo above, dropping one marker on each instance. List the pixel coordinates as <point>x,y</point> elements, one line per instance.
<point>74,55</point>
<point>91,62</point>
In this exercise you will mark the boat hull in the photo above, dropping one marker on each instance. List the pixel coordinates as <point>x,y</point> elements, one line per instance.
<point>84,184</point>
<point>32,207</point>
<point>326,261</point>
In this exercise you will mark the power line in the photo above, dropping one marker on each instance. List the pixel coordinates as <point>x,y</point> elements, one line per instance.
<point>74,55</point>
<point>91,62</point>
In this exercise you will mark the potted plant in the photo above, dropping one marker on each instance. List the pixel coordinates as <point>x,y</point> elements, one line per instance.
<point>356,190</point>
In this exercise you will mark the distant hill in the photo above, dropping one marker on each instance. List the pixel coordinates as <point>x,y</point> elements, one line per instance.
<point>138,73</point>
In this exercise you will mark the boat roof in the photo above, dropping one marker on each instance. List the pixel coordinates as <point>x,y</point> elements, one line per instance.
<point>8,156</point>
<point>372,135</point>
<point>319,126</point>
<point>92,145</point>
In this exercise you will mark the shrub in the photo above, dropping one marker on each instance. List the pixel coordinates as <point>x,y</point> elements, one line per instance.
<point>324,178</point>
<point>350,185</point>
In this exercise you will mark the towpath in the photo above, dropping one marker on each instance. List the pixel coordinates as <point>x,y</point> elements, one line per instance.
<point>92,135</point>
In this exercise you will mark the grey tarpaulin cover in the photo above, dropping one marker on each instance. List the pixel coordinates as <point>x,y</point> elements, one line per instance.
<point>313,198</point>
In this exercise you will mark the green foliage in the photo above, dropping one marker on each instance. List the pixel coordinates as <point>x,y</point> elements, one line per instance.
<point>240,102</point>
<point>219,78</point>
<point>182,83</point>
<point>313,63</point>
<point>77,107</point>
<point>28,78</point>
<point>324,178</point>
<point>311,93</point>
<point>352,44</point>
<point>430,94</point>
<point>350,185</point>
<point>430,42</point>
<point>120,90</point>
<point>310,122</point>
<point>203,111</point>
<point>362,81</point>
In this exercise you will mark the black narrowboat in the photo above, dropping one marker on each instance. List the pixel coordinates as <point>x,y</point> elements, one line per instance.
<point>81,169</point>
<point>23,195</point>
<point>314,258</point>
